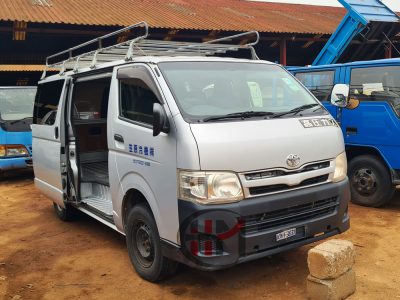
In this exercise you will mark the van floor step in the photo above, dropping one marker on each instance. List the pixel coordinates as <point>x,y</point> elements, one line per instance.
<point>100,204</point>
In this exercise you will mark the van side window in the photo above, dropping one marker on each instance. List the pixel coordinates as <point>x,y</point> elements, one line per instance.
<point>90,99</point>
<point>136,101</point>
<point>46,102</point>
<point>377,84</point>
<point>319,83</point>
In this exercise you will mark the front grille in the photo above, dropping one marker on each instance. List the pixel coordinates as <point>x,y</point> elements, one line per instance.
<point>290,215</point>
<point>259,190</point>
<point>276,173</point>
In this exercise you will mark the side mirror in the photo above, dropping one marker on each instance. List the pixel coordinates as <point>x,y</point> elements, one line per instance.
<point>160,120</point>
<point>340,95</point>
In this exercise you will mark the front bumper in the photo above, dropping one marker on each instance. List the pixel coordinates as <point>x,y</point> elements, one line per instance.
<point>219,236</point>
<point>7,164</point>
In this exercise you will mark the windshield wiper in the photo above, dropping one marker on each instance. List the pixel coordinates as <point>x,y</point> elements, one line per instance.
<point>16,121</point>
<point>297,110</point>
<point>240,115</point>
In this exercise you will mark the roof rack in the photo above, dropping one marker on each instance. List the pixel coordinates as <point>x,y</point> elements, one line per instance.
<point>141,46</point>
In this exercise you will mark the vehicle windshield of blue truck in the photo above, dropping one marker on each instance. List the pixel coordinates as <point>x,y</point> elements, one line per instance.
<point>16,105</point>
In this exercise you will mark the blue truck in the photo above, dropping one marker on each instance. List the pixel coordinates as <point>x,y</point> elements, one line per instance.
<point>16,108</point>
<point>363,96</point>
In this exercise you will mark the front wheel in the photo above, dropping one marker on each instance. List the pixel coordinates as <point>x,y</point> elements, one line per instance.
<point>144,245</point>
<point>370,181</point>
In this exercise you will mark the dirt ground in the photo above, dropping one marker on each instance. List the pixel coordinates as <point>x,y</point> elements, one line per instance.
<point>42,257</point>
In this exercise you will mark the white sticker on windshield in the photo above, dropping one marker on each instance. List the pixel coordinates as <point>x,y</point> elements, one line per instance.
<point>256,95</point>
<point>369,88</point>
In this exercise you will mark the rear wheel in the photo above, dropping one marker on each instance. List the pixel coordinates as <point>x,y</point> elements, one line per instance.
<point>370,181</point>
<point>66,214</point>
<point>144,246</point>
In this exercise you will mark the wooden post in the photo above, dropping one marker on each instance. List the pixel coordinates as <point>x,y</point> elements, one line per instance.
<point>283,52</point>
<point>388,51</point>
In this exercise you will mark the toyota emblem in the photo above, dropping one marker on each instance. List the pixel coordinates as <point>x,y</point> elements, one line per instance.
<point>293,160</point>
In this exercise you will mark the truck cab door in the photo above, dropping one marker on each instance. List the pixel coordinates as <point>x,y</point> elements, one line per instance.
<point>376,120</point>
<point>46,138</point>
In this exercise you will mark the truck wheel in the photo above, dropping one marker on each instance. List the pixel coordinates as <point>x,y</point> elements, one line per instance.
<point>370,181</point>
<point>144,245</point>
<point>68,213</point>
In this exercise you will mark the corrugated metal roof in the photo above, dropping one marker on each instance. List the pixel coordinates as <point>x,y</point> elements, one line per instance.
<point>23,68</point>
<point>236,15</point>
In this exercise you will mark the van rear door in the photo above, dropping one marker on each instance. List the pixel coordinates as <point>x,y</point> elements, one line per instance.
<point>46,140</point>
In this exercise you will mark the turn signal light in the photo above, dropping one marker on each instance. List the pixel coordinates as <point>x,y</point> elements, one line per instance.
<point>13,151</point>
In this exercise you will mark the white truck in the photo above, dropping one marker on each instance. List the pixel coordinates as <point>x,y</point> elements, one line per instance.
<point>197,158</point>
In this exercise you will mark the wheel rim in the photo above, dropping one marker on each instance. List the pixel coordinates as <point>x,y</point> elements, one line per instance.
<point>143,244</point>
<point>365,182</point>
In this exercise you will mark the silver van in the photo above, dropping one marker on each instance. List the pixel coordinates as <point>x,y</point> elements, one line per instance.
<point>197,158</point>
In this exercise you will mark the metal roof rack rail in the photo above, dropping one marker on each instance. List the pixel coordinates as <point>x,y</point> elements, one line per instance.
<point>141,46</point>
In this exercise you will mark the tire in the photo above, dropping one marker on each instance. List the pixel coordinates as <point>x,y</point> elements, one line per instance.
<point>370,181</point>
<point>144,245</point>
<point>66,214</point>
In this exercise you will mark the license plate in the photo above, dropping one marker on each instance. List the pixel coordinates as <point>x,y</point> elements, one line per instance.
<point>285,234</point>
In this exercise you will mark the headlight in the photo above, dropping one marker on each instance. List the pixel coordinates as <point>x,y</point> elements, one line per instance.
<point>210,187</point>
<point>340,168</point>
<point>13,150</point>
<point>2,150</point>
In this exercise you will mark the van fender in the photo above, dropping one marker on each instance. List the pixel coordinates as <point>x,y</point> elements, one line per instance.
<point>135,181</point>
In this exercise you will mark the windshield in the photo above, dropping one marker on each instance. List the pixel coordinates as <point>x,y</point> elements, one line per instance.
<point>16,103</point>
<point>207,89</point>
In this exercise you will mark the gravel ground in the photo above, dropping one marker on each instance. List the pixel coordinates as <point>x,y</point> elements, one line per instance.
<point>42,257</point>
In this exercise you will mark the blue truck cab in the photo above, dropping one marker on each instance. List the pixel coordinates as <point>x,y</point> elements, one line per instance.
<point>370,122</point>
<point>16,109</point>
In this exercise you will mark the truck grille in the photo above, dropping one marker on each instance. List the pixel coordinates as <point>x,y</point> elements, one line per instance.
<point>259,190</point>
<point>290,215</point>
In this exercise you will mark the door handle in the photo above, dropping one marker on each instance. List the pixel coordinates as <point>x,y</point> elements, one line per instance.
<point>56,132</point>
<point>119,138</point>
<point>351,130</point>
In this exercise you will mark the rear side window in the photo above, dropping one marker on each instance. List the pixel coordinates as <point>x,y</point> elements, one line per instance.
<point>320,83</point>
<point>136,101</point>
<point>377,84</point>
<point>90,99</point>
<point>46,102</point>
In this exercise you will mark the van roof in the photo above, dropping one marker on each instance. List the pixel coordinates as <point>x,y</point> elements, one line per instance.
<point>139,48</point>
<point>154,60</point>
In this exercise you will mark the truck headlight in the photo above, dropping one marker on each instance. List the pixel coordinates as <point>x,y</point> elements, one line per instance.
<point>2,150</point>
<point>340,168</point>
<point>13,151</point>
<point>210,187</point>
